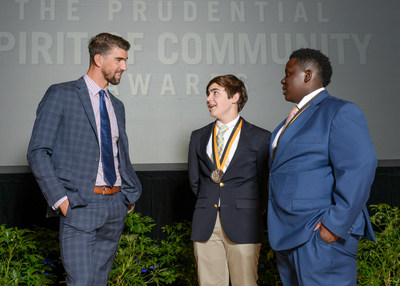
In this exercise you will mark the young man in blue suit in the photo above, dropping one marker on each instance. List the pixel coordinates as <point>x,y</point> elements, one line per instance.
<point>321,170</point>
<point>228,174</point>
<point>79,156</point>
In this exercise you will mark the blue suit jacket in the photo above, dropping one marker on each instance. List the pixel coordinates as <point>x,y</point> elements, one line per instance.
<point>64,150</point>
<point>243,193</point>
<point>323,170</point>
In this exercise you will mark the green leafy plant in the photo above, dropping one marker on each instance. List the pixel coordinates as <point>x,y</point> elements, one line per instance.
<point>139,258</point>
<point>178,253</point>
<point>22,260</point>
<point>31,257</point>
<point>379,263</point>
<point>268,273</point>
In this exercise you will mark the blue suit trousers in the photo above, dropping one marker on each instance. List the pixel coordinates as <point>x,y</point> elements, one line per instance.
<point>317,262</point>
<point>89,238</point>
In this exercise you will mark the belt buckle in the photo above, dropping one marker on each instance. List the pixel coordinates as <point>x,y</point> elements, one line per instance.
<point>104,190</point>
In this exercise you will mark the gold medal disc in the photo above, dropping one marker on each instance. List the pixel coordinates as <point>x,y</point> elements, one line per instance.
<point>216,176</point>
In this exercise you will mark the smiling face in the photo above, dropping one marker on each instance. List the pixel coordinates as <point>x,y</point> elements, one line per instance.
<point>113,65</point>
<point>294,84</point>
<point>220,106</point>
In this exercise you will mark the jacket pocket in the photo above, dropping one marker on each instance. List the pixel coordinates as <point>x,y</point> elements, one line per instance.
<point>310,204</point>
<point>309,140</point>
<point>201,203</point>
<point>247,204</point>
<point>66,178</point>
<point>64,174</point>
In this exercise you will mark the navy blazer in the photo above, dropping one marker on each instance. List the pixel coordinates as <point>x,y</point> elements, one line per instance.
<point>64,150</point>
<point>323,169</point>
<point>243,194</point>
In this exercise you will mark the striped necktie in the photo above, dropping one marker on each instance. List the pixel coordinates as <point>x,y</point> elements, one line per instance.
<point>220,139</point>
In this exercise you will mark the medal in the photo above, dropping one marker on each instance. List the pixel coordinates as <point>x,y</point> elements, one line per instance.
<point>216,176</point>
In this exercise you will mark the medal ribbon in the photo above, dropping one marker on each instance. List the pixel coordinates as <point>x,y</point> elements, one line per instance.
<point>220,162</point>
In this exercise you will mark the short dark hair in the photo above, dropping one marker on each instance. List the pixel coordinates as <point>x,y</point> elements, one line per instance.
<point>103,43</point>
<point>308,56</point>
<point>232,86</point>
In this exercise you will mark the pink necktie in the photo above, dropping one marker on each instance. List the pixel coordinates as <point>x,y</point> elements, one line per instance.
<point>290,117</point>
<point>287,122</point>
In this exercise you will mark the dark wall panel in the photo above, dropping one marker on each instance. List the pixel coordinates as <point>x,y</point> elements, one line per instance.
<point>166,197</point>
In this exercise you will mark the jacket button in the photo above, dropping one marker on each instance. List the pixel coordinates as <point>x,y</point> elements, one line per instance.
<point>215,206</point>
<point>221,184</point>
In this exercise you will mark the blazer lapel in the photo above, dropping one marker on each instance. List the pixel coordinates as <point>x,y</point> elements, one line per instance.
<point>117,109</point>
<point>273,135</point>
<point>83,93</point>
<point>297,125</point>
<point>242,143</point>
<point>243,139</point>
<point>205,137</point>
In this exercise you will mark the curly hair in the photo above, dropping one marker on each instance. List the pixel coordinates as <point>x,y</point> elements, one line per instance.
<point>103,43</point>
<point>232,86</point>
<point>307,57</point>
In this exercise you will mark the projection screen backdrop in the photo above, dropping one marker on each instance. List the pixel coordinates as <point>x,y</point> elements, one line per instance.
<point>177,46</point>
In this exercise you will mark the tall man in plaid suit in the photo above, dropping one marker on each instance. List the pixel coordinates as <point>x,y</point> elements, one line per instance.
<point>66,156</point>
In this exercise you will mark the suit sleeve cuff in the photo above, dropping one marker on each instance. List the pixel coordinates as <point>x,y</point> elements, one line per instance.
<point>59,202</point>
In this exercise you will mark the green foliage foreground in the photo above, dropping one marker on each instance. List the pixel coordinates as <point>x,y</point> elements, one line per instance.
<point>32,257</point>
<point>379,263</point>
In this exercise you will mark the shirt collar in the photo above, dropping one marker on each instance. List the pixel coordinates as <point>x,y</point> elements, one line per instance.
<point>308,97</point>
<point>229,124</point>
<point>93,87</point>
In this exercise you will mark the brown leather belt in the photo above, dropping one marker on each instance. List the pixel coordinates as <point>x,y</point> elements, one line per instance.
<point>106,190</point>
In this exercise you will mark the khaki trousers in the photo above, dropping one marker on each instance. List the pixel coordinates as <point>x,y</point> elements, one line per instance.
<point>219,258</point>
